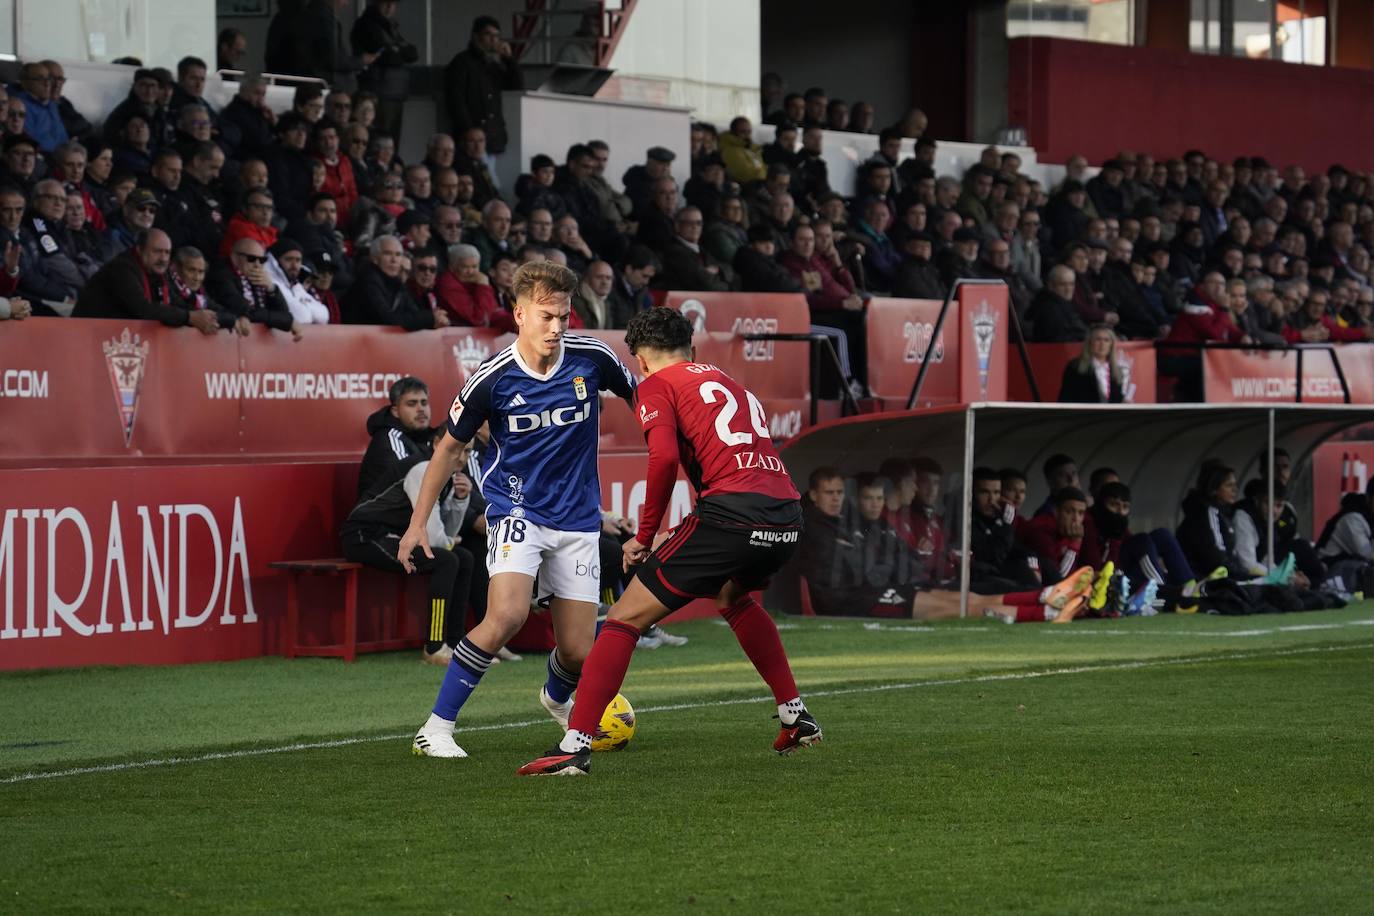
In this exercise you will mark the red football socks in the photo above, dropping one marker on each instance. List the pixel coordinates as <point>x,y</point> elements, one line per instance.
<point>602,674</point>
<point>758,637</point>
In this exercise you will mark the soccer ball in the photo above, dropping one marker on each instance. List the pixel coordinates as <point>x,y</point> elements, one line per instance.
<point>617,726</point>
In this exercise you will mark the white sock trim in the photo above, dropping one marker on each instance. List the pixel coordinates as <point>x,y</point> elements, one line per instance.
<point>575,741</point>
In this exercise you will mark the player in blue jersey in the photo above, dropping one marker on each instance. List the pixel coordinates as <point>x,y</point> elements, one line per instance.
<point>539,397</point>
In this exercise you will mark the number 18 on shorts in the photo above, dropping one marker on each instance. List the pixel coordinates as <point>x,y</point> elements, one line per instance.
<point>567,563</point>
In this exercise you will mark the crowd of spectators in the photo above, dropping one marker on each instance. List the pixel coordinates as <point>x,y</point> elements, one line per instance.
<point>312,216</point>
<point>884,543</point>
<point>170,208</point>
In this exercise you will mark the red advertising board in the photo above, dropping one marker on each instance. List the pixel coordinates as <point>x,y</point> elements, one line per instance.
<point>900,332</point>
<point>983,343</point>
<point>156,565</point>
<point>129,392</point>
<point>967,363</point>
<point>117,566</point>
<point>1271,376</point>
<point>1135,357</point>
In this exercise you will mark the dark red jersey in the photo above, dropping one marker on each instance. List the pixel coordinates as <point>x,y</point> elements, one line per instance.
<point>721,432</point>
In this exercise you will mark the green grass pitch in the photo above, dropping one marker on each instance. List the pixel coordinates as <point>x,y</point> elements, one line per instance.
<point>1171,765</point>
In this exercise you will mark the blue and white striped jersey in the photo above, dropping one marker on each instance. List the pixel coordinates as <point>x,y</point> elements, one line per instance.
<point>541,461</point>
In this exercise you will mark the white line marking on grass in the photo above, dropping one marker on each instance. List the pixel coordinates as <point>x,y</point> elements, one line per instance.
<point>676,707</point>
<point>1091,630</point>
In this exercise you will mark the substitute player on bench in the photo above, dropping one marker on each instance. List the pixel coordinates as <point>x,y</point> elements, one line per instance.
<point>744,527</point>
<point>540,399</point>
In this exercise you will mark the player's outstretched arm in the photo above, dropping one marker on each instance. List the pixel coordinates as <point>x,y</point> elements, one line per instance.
<point>447,457</point>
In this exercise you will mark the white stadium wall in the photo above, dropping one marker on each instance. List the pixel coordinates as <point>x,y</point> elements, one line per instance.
<point>151,30</point>
<point>702,54</point>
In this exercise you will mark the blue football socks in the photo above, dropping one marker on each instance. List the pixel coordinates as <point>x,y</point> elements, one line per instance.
<point>461,679</point>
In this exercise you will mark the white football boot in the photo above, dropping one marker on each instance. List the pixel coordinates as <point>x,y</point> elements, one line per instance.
<point>433,742</point>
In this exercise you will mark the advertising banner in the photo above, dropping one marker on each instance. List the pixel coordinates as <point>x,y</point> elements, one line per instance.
<point>967,363</point>
<point>148,565</point>
<point>1271,376</point>
<point>900,332</point>
<point>169,565</point>
<point>98,392</point>
<point>983,343</point>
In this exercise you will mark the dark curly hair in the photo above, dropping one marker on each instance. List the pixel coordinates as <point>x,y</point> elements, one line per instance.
<point>659,328</point>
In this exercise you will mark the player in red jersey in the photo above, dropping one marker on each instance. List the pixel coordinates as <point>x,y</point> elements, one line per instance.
<point>745,526</point>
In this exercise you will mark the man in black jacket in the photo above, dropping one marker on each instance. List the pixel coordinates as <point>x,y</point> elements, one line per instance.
<point>317,232</point>
<point>49,270</point>
<point>173,209</point>
<point>474,80</point>
<point>135,285</point>
<point>319,49</point>
<point>997,563</point>
<point>379,296</point>
<point>574,184</point>
<point>289,169</point>
<point>472,159</point>
<point>200,191</point>
<point>246,122</point>
<point>388,482</point>
<point>142,100</point>
<point>758,270</point>
<point>995,264</point>
<point>917,278</point>
<point>76,124</point>
<point>1054,319</point>
<point>686,265</point>
<point>630,292</point>
<point>243,287</point>
<point>375,34</point>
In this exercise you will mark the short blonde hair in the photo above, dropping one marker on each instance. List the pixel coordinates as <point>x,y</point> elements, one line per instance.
<point>538,281</point>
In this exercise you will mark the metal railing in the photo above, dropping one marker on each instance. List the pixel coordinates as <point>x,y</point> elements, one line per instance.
<point>821,347</point>
<point>1012,316</point>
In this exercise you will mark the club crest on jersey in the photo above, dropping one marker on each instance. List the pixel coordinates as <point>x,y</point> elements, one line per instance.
<point>580,388</point>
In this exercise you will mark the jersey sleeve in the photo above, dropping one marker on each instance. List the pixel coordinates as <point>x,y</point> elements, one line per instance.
<point>654,407</point>
<point>470,409</point>
<point>661,476</point>
<point>615,376</point>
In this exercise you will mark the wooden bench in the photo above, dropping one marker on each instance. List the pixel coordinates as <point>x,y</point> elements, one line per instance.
<point>393,623</point>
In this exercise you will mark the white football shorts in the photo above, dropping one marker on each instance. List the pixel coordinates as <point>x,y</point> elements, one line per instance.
<point>567,564</point>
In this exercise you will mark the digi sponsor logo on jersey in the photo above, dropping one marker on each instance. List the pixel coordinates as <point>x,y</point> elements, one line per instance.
<point>645,414</point>
<point>559,416</point>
